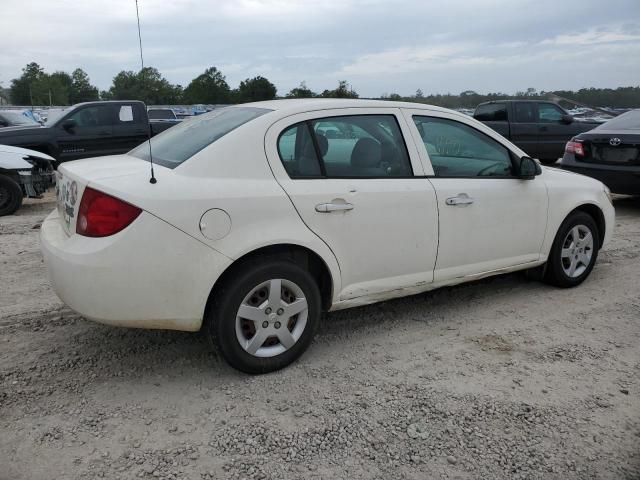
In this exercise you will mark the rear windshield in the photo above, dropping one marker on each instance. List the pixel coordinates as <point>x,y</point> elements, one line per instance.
<point>181,142</point>
<point>627,121</point>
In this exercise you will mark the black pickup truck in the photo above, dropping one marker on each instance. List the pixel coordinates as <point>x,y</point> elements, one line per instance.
<point>540,128</point>
<point>87,130</point>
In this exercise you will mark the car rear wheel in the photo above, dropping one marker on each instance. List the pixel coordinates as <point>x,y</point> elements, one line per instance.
<point>10,196</point>
<point>265,316</point>
<point>574,251</point>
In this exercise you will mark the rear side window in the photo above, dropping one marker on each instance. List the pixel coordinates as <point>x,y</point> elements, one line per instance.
<point>181,142</point>
<point>356,146</point>
<point>458,150</point>
<point>491,112</point>
<point>525,112</point>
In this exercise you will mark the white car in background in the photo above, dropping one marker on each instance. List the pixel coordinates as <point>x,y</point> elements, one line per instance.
<point>23,173</point>
<point>258,222</point>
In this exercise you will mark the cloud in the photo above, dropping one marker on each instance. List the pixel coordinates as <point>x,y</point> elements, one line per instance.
<point>378,46</point>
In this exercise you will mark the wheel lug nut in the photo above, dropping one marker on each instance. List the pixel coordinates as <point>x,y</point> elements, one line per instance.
<point>265,324</point>
<point>280,311</point>
<point>277,324</point>
<point>267,310</point>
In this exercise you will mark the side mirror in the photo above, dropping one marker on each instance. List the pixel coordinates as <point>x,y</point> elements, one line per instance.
<point>528,168</point>
<point>567,119</point>
<point>69,125</point>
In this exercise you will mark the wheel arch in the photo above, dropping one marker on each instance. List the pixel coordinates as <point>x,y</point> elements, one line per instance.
<point>298,254</point>
<point>597,214</point>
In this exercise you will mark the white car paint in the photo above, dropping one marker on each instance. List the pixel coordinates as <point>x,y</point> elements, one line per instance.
<point>12,158</point>
<point>400,238</point>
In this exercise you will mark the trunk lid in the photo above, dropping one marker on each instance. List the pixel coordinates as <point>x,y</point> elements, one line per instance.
<point>73,177</point>
<point>611,148</point>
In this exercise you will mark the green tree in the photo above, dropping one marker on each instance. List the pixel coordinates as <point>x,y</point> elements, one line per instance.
<point>344,90</point>
<point>210,87</point>
<point>81,89</point>
<point>301,91</point>
<point>147,85</point>
<point>254,90</point>
<point>27,88</point>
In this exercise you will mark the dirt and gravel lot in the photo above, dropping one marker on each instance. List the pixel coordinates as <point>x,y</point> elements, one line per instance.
<point>504,378</point>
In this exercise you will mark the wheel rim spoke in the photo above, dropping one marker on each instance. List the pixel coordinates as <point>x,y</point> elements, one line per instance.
<point>295,307</point>
<point>275,293</point>
<point>257,341</point>
<point>286,338</point>
<point>566,253</point>
<point>587,241</point>
<point>254,314</point>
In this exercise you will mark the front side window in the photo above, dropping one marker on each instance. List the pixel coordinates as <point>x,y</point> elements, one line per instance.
<point>94,116</point>
<point>549,113</point>
<point>491,112</point>
<point>525,112</point>
<point>179,143</point>
<point>458,150</point>
<point>355,146</point>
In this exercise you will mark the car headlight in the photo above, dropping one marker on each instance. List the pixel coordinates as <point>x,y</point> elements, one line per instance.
<point>607,192</point>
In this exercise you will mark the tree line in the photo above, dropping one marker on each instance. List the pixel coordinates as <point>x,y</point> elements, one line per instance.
<point>37,87</point>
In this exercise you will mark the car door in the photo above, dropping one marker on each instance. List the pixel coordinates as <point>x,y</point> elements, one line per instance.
<point>130,127</point>
<point>358,185</point>
<point>554,132</point>
<point>489,219</point>
<point>524,127</point>
<point>90,134</point>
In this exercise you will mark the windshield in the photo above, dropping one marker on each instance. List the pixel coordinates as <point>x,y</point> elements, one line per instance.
<point>54,115</point>
<point>181,142</point>
<point>161,114</point>
<point>627,121</point>
<point>17,118</point>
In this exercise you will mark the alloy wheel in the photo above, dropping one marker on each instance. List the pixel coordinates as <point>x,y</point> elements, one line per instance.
<point>271,318</point>
<point>577,251</point>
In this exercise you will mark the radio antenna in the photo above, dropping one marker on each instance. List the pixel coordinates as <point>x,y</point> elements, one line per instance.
<point>152,180</point>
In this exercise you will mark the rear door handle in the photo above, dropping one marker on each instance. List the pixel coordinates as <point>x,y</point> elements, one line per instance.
<point>333,207</point>
<point>460,199</point>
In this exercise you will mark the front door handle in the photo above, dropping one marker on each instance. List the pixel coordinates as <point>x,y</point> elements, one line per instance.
<point>333,207</point>
<point>460,199</point>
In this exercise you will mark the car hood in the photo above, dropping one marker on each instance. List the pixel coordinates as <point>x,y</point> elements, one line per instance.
<point>13,158</point>
<point>18,128</point>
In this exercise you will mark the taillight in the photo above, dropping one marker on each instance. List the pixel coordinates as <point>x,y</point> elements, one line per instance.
<point>575,147</point>
<point>101,215</point>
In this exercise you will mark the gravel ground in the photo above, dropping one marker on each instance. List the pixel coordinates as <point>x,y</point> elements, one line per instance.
<point>504,378</point>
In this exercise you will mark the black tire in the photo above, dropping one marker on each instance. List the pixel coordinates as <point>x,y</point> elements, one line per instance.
<point>555,273</point>
<point>220,325</point>
<point>10,196</point>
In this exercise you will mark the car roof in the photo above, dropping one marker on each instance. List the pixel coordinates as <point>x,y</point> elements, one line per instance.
<point>290,106</point>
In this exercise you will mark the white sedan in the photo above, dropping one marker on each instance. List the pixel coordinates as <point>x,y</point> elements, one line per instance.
<point>264,215</point>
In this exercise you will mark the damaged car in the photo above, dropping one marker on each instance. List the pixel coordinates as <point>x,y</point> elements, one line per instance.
<point>23,173</point>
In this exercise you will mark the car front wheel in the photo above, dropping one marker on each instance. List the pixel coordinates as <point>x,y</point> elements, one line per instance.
<point>574,251</point>
<point>10,196</point>
<point>264,317</point>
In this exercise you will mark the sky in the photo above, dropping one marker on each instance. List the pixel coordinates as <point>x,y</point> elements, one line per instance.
<point>379,47</point>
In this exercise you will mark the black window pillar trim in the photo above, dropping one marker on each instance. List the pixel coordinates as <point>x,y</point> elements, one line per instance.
<point>316,147</point>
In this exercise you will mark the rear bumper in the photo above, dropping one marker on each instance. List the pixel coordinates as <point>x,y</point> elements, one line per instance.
<point>619,179</point>
<point>150,275</point>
